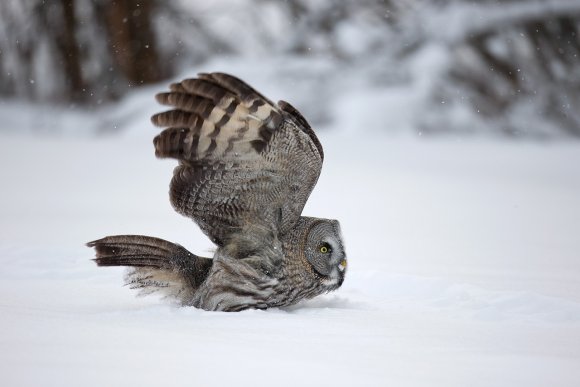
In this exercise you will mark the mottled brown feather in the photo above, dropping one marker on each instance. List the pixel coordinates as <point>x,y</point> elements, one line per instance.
<point>221,130</point>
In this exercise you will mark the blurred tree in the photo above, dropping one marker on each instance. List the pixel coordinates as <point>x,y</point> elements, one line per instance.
<point>77,50</point>
<point>132,40</point>
<point>515,63</point>
<point>67,48</point>
<point>321,26</point>
<point>509,65</point>
<point>529,56</point>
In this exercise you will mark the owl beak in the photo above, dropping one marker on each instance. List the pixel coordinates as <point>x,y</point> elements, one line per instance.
<point>342,265</point>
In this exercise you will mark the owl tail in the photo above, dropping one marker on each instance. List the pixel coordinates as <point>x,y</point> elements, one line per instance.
<point>156,265</point>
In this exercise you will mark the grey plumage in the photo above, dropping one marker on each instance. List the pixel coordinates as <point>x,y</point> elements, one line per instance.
<point>246,168</point>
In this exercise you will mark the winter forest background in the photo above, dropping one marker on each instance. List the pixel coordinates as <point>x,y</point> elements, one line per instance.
<point>508,67</point>
<point>450,131</point>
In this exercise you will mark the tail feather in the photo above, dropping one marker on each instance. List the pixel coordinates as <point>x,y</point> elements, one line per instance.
<point>156,264</point>
<point>125,245</point>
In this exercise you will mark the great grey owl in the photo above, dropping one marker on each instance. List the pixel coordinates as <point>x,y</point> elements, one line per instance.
<point>246,168</point>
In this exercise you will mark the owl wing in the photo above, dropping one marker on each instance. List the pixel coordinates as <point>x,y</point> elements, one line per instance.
<point>246,165</point>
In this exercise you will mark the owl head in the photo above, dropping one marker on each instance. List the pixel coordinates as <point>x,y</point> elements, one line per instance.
<point>322,250</point>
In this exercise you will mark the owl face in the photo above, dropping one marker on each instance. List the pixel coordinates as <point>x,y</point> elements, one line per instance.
<point>324,251</point>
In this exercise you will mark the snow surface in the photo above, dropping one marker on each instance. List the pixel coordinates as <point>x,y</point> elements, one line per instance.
<point>463,253</point>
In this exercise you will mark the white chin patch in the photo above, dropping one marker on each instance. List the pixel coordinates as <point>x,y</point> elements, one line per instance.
<point>330,281</point>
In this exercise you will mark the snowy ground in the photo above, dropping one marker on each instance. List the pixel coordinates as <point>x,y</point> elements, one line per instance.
<point>464,267</point>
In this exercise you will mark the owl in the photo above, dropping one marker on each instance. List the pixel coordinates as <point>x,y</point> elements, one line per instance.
<point>246,168</point>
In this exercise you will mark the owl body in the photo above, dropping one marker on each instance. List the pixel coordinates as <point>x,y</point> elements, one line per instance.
<point>237,284</point>
<point>246,168</point>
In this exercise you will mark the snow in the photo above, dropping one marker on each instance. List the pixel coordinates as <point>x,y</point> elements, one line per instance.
<point>463,255</point>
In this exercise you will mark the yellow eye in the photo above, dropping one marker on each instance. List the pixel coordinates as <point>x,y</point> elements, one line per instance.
<point>324,249</point>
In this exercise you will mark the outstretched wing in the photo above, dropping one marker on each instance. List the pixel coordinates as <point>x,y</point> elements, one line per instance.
<point>246,165</point>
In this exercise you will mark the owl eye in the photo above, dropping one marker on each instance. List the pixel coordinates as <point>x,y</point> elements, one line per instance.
<point>325,248</point>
